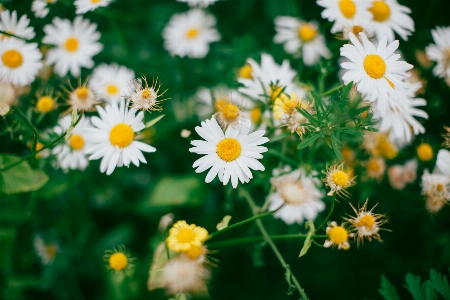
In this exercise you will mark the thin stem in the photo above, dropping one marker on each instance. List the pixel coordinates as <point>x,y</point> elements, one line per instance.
<point>272,245</point>
<point>253,239</point>
<point>24,118</point>
<point>331,91</point>
<point>328,216</point>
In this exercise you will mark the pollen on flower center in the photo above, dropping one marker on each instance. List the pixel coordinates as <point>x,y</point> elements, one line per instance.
<point>439,187</point>
<point>45,104</point>
<point>76,142</point>
<point>231,112</point>
<point>192,33</point>
<point>71,44</point>
<point>195,252</point>
<point>381,11</point>
<point>374,66</point>
<point>339,178</point>
<point>367,220</point>
<point>338,234</point>
<point>306,32</point>
<point>425,152</point>
<point>112,89</point>
<point>121,135</point>
<point>229,149</point>
<point>246,71</point>
<point>185,235</point>
<point>357,29</point>
<point>82,92</point>
<point>12,58</point>
<point>146,93</point>
<point>348,8</point>
<point>118,261</point>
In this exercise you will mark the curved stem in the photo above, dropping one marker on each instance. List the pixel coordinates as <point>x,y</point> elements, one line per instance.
<point>252,239</point>
<point>331,91</point>
<point>328,216</point>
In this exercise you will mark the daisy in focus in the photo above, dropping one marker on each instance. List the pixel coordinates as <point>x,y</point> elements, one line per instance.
<point>113,138</point>
<point>338,236</point>
<point>440,52</point>
<point>338,180</point>
<point>375,70</point>
<point>366,224</point>
<point>71,154</point>
<point>389,16</point>
<point>83,6</point>
<point>436,189</point>
<point>40,7</point>
<point>10,24</point>
<point>145,97</point>
<point>20,61</point>
<point>300,37</point>
<point>230,155</point>
<point>110,81</point>
<point>300,196</point>
<point>76,43</point>
<point>183,236</point>
<point>198,3</point>
<point>342,12</point>
<point>189,34</point>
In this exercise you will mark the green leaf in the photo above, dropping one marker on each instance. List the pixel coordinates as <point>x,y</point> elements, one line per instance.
<point>413,285</point>
<point>336,147</point>
<point>224,223</point>
<point>440,283</point>
<point>317,99</point>
<point>387,290</point>
<point>21,178</point>
<point>153,121</point>
<point>307,243</point>
<point>308,141</point>
<point>429,291</point>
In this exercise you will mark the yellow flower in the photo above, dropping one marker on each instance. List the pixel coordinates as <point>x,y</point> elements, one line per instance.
<point>425,152</point>
<point>183,236</point>
<point>338,236</point>
<point>118,260</point>
<point>338,180</point>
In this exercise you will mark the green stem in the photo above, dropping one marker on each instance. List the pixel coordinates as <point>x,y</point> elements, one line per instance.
<point>253,239</point>
<point>328,216</point>
<point>283,157</point>
<point>255,217</point>
<point>331,91</point>
<point>21,115</point>
<point>272,245</point>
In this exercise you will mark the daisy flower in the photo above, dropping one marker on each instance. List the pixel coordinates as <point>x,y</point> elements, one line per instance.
<point>113,139</point>
<point>366,224</point>
<point>46,102</point>
<point>111,81</point>
<point>443,161</point>
<point>76,43</point>
<point>20,28</point>
<point>189,34</point>
<point>375,167</point>
<point>300,196</point>
<point>338,236</point>
<point>183,236</point>
<point>82,98</point>
<point>71,154</point>
<point>46,251</point>
<point>20,61</point>
<point>198,3</point>
<point>338,180</point>
<point>229,155</point>
<point>436,189</point>
<point>83,6</point>
<point>375,71</point>
<point>301,37</point>
<point>229,113</point>
<point>342,12</point>
<point>145,97</point>
<point>440,51</point>
<point>358,25</point>
<point>205,99</point>
<point>389,16</point>
<point>39,7</point>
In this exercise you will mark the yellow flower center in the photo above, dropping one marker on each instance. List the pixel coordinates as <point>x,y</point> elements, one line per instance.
<point>307,32</point>
<point>185,235</point>
<point>45,104</point>
<point>231,112</point>
<point>121,135</point>
<point>71,44</point>
<point>146,93</point>
<point>76,142</point>
<point>425,152</point>
<point>348,8</point>
<point>367,220</point>
<point>385,148</point>
<point>194,252</point>
<point>293,193</point>
<point>12,59</point>
<point>339,178</point>
<point>112,89</point>
<point>374,66</point>
<point>338,235</point>
<point>51,250</point>
<point>95,1</point>
<point>118,261</point>
<point>357,29</point>
<point>275,92</point>
<point>82,92</point>
<point>381,11</point>
<point>229,149</point>
<point>192,33</point>
<point>246,71</point>
<point>373,165</point>
<point>255,115</point>
<point>439,187</point>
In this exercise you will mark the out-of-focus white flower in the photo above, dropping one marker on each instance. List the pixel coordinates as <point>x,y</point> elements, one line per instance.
<point>184,275</point>
<point>46,251</point>
<point>440,51</point>
<point>40,9</point>
<point>399,176</point>
<point>83,6</point>
<point>10,24</point>
<point>198,3</point>
<point>358,25</point>
<point>375,167</point>
<point>443,162</point>
<point>7,97</point>
<point>436,188</point>
<point>189,34</point>
<point>111,81</point>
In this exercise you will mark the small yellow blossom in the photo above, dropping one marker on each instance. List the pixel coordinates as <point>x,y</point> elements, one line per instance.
<point>183,236</point>
<point>118,260</point>
<point>338,236</point>
<point>338,180</point>
<point>425,152</point>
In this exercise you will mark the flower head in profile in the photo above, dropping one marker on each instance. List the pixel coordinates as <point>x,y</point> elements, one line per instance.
<point>440,52</point>
<point>113,137</point>
<point>436,189</point>
<point>118,260</point>
<point>285,108</point>
<point>229,155</point>
<point>183,236</point>
<point>40,7</point>
<point>338,235</point>
<point>76,43</point>
<point>228,112</point>
<point>81,98</point>
<point>145,97</point>
<point>338,180</point>
<point>111,81</point>
<point>366,224</point>
<point>189,34</point>
<point>20,28</point>
<point>83,6</point>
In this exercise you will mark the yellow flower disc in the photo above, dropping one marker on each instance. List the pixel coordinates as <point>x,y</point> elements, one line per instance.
<point>367,220</point>
<point>373,165</point>
<point>121,135</point>
<point>307,32</point>
<point>192,33</point>
<point>246,71</point>
<point>45,104</point>
<point>112,89</point>
<point>71,44</point>
<point>425,152</point>
<point>229,149</point>
<point>76,142</point>
<point>185,235</point>
<point>338,235</point>
<point>374,66</point>
<point>82,92</point>
<point>381,11</point>
<point>195,252</point>
<point>118,261</point>
<point>348,8</point>
<point>146,93</point>
<point>339,178</point>
<point>231,112</point>
<point>95,1</point>
<point>12,59</point>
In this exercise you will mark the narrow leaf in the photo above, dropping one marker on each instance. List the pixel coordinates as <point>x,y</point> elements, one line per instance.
<point>308,141</point>
<point>153,121</point>
<point>307,243</point>
<point>224,223</point>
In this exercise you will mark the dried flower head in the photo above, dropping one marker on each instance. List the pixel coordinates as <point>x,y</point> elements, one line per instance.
<point>338,236</point>
<point>145,97</point>
<point>338,180</point>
